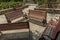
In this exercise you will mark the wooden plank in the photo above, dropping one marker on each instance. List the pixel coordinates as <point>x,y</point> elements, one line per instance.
<point>14,31</point>
<point>14,26</point>
<point>11,16</point>
<point>52,29</point>
<point>38,15</point>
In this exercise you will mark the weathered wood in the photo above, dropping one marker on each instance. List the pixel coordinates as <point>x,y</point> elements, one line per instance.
<point>17,7</point>
<point>38,15</point>
<point>14,15</point>
<point>14,31</point>
<point>14,26</point>
<point>53,27</point>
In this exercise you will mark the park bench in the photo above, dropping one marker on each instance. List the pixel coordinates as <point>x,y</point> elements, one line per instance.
<point>14,30</point>
<point>14,16</point>
<point>53,27</point>
<point>14,26</point>
<point>37,15</point>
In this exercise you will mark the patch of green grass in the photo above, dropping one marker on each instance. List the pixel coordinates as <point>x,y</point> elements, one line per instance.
<point>5,5</point>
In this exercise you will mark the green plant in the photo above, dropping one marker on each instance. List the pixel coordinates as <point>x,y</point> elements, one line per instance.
<point>6,5</point>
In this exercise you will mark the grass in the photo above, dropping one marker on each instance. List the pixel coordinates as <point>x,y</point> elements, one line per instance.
<point>5,5</point>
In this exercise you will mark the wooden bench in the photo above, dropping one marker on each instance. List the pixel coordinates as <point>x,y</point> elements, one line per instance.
<point>14,30</point>
<point>14,16</point>
<point>53,27</point>
<point>37,15</point>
